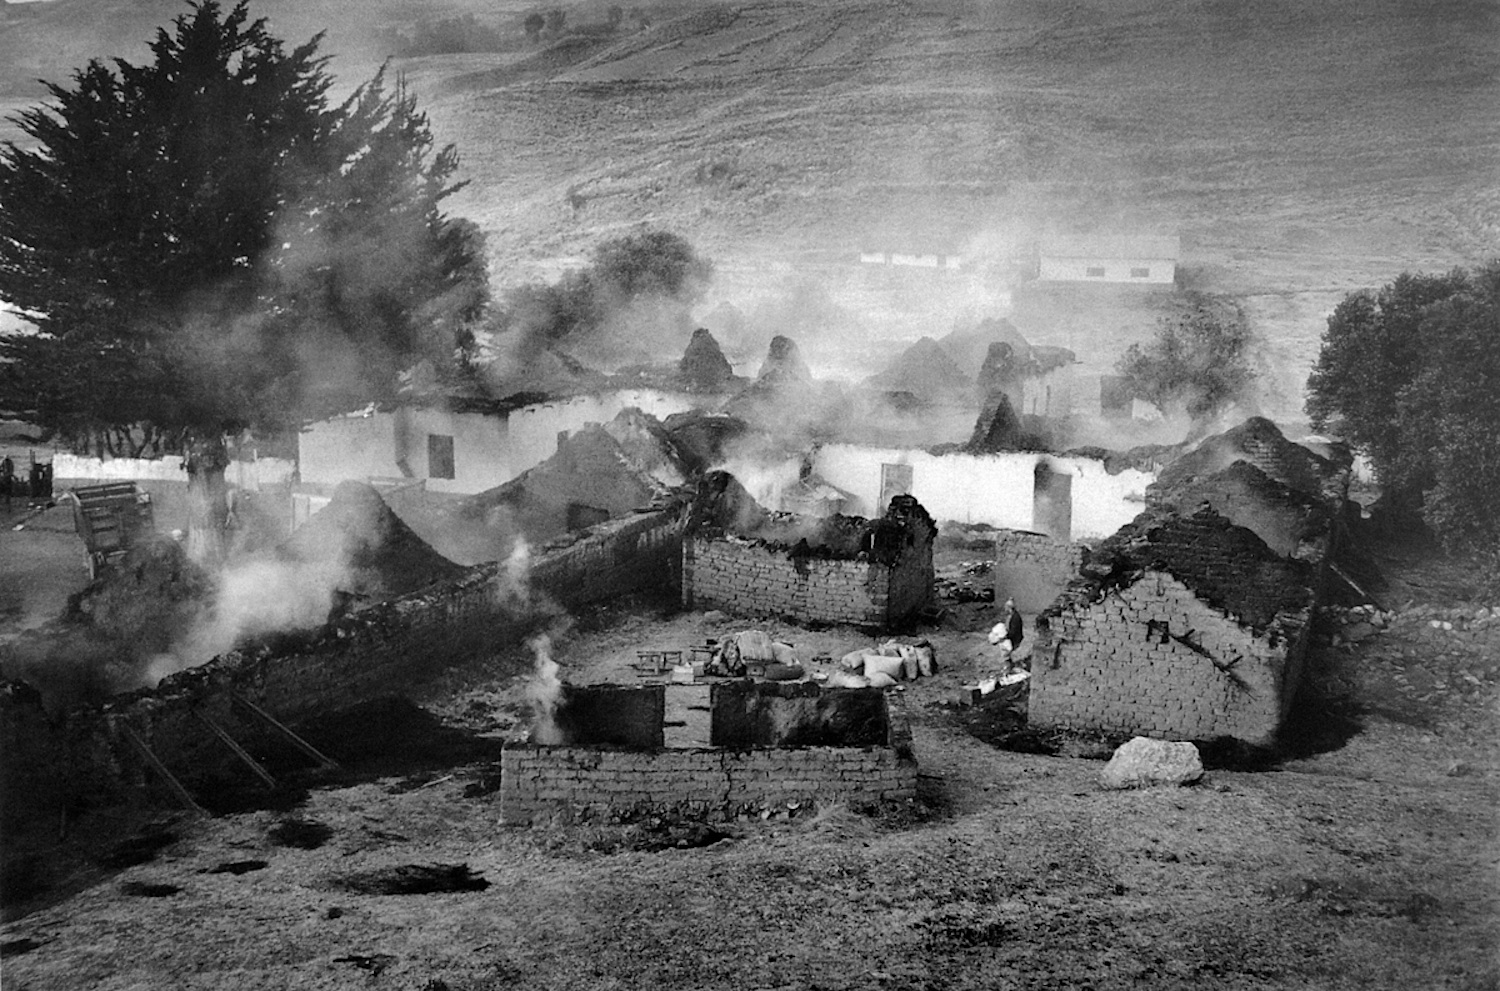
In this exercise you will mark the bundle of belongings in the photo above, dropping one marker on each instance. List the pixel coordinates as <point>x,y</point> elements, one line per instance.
<point>883,666</point>
<point>753,653</point>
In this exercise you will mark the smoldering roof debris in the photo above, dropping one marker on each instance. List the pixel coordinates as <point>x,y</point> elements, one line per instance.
<point>926,370</point>
<point>381,557</point>
<point>703,367</point>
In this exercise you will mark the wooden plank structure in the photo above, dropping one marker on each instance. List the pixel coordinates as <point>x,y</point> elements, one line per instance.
<point>327,762</point>
<point>255,766</point>
<point>110,518</point>
<point>178,788</point>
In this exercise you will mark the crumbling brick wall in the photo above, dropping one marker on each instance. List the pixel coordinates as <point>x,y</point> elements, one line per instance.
<point>1032,568</point>
<point>1154,659</point>
<point>625,555</point>
<point>748,577</point>
<point>542,782</point>
<point>538,782</point>
<point>377,651</point>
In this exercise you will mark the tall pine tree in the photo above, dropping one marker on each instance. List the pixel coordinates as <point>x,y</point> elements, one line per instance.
<point>206,245</point>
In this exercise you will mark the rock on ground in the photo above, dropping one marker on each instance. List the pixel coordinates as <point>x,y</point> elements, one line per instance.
<point>1144,762</point>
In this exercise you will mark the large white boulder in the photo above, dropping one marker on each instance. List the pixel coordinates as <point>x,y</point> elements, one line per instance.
<point>1144,762</point>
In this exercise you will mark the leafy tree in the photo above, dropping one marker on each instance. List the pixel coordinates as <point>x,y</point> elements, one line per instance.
<point>650,267</point>
<point>556,19</point>
<point>1197,362</point>
<point>533,25</point>
<point>205,246</point>
<point>1410,375</point>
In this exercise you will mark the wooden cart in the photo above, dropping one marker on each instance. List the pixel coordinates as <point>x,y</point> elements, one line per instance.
<point>110,518</point>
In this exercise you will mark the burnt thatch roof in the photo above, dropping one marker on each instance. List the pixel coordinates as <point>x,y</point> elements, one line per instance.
<point>1226,566</point>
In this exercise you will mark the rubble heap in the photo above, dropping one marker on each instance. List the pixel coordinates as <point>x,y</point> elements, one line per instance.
<point>380,557</point>
<point>703,367</point>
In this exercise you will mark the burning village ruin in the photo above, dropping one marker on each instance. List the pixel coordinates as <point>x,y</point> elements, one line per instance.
<point>1189,621</point>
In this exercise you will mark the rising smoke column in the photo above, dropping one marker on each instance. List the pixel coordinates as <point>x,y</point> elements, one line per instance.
<point>544,691</point>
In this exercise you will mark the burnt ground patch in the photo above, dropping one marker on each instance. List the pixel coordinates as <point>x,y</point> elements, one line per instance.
<point>412,879</point>
<point>301,834</point>
<point>238,867</point>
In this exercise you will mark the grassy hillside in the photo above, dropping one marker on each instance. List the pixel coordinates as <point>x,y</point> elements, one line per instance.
<point>1300,149</point>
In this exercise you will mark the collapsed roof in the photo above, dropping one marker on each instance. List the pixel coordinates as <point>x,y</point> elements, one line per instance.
<point>373,552</point>
<point>1226,566</point>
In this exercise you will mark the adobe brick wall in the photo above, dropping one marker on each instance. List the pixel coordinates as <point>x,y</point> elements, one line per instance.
<point>568,782</point>
<point>624,555</point>
<point>747,577</point>
<point>539,783</point>
<point>1099,667</point>
<point>378,651</point>
<point>1033,568</point>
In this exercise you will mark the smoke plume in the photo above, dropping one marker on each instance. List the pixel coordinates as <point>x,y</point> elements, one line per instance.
<point>543,691</point>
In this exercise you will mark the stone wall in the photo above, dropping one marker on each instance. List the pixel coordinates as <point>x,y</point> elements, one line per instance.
<point>1153,659</point>
<point>567,782</point>
<point>1033,568</point>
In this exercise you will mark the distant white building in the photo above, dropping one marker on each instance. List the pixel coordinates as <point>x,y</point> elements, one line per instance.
<point>1144,259</point>
<point>459,446</point>
<point>912,259</point>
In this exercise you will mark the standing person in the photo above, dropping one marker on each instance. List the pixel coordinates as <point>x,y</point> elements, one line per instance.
<point>7,476</point>
<point>1008,634</point>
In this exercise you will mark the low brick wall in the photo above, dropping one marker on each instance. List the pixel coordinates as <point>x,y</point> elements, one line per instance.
<point>540,783</point>
<point>1116,665</point>
<point>382,650</point>
<point>625,555</point>
<point>747,577</point>
<point>569,782</point>
<point>1033,568</point>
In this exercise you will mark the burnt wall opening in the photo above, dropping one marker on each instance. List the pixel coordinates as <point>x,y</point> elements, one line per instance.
<point>747,714</point>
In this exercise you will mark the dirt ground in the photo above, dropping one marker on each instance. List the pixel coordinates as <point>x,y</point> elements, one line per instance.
<point>1364,859</point>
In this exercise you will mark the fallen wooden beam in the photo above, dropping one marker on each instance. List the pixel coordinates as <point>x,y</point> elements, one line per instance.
<point>255,766</point>
<point>178,788</point>
<point>293,738</point>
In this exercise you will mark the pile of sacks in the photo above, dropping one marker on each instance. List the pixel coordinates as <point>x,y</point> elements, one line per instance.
<point>754,652</point>
<point>883,666</point>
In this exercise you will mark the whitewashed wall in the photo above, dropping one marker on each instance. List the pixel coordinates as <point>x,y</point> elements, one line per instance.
<point>488,450</point>
<point>1063,269</point>
<point>346,447</point>
<point>482,457</point>
<point>534,429</point>
<point>250,475</point>
<point>997,489</point>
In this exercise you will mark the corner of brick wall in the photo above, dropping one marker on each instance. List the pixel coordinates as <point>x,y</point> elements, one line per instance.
<point>1100,667</point>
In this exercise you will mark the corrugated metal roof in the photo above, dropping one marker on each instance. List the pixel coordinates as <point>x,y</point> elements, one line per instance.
<point>1089,246</point>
